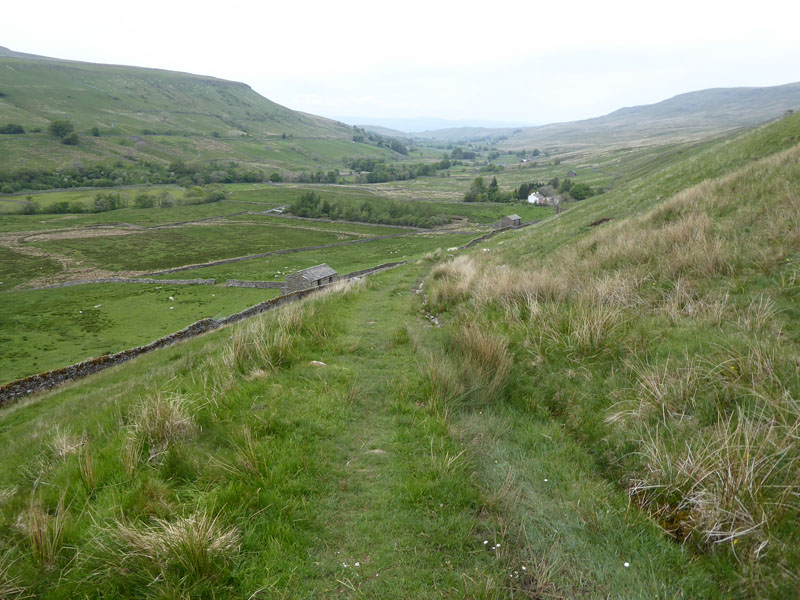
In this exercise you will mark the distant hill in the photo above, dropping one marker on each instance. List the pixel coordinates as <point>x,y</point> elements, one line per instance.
<point>414,126</point>
<point>395,133</point>
<point>156,115</point>
<point>686,115</point>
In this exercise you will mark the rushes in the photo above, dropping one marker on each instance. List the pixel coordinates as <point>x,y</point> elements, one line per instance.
<point>156,423</point>
<point>10,586</point>
<point>488,360</point>
<point>193,547</point>
<point>271,341</point>
<point>731,481</point>
<point>45,532</point>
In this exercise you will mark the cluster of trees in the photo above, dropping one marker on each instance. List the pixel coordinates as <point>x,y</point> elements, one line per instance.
<point>317,177</point>
<point>122,173</point>
<point>106,201</point>
<point>361,135</point>
<point>480,192</point>
<point>64,130</point>
<point>567,189</point>
<point>12,128</point>
<point>461,154</point>
<point>380,172</point>
<point>414,214</point>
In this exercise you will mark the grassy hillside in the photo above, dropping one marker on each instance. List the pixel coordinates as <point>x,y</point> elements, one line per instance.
<point>609,409</point>
<point>155,115</point>
<point>127,100</point>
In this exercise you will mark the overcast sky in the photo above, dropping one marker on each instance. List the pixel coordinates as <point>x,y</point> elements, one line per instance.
<point>528,62</point>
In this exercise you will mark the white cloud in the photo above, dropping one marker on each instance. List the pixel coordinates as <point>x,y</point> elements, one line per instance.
<point>528,61</point>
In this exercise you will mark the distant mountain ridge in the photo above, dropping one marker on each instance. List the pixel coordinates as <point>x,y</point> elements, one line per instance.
<point>685,115</point>
<point>704,111</point>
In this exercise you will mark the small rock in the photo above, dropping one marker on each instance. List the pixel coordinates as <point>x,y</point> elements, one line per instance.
<point>317,363</point>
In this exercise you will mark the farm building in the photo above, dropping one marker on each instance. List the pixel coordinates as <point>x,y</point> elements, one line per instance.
<point>311,277</point>
<point>508,221</point>
<point>537,199</point>
<point>572,174</point>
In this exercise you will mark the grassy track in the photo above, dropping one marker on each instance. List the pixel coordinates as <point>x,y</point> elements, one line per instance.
<point>346,480</point>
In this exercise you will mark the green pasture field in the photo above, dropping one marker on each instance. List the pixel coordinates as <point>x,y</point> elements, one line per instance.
<point>356,228</point>
<point>86,197</point>
<point>285,193</point>
<point>345,259</point>
<point>45,329</point>
<point>145,217</point>
<point>167,248</point>
<point>16,268</point>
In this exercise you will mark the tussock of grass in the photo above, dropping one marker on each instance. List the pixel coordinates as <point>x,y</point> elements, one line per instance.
<point>65,443</point>
<point>734,480</point>
<point>45,532</point>
<point>184,555</point>
<point>156,423</point>
<point>432,256</point>
<point>10,585</point>
<point>271,340</point>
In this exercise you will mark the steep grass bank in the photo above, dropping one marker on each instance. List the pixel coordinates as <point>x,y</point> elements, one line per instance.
<point>667,344</point>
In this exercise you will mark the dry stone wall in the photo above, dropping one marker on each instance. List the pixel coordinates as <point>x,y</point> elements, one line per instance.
<point>50,379</point>
<point>147,280</point>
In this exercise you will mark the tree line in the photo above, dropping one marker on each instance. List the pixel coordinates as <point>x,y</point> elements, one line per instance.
<point>107,201</point>
<point>413,214</point>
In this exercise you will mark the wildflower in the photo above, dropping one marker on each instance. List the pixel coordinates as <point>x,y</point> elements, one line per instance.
<point>485,542</point>
<point>358,564</point>
<point>626,564</point>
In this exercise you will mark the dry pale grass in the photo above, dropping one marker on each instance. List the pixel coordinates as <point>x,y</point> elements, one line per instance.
<point>198,545</point>
<point>45,532</point>
<point>759,315</point>
<point>64,443</point>
<point>10,585</point>
<point>6,493</point>
<point>488,359</point>
<point>432,256</point>
<point>665,393</point>
<point>450,282</point>
<point>730,481</point>
<point>156,423</point>
<point>579,327</point>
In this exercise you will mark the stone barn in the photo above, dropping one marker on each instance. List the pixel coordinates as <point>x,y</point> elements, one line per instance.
<point>309,278</point>
<point>508,221</point>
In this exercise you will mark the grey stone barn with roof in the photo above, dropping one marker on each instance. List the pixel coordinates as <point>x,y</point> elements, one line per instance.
<point>508,221</point>
<point>309,278</point>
